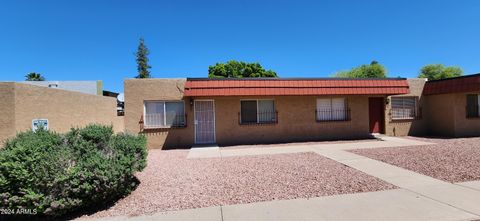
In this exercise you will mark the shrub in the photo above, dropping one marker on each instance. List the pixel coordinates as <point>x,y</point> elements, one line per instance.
<point>56,174</point>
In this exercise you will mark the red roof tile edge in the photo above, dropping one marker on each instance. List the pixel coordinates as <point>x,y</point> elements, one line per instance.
<point>464,84</point>
<point>272,87</point>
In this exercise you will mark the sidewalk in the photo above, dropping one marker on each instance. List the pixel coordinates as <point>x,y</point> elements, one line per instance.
<point>419,197</point>
<point>391,205</point>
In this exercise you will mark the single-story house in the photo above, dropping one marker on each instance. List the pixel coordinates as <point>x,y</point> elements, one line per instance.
<point>175,113</point>
<point>25,106</point>
<point>185,112</point>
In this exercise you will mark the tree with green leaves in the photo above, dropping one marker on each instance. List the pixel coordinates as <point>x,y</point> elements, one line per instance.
<point>439,71</point>
<point>239,69</point>
<point>33,76</point>
<point>142,60</point>
<point>372,70</point>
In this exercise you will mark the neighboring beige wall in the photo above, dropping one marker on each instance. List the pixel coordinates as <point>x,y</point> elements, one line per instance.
<point>408,127</point>
<point>464,127</point>
<point>63,109</point>
<point>440,114</point>
<point>139,90</point>
<point>7,110</point>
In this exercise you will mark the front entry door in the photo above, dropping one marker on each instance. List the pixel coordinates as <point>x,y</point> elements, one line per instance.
<point>376,114</point>
<point>204,121</point>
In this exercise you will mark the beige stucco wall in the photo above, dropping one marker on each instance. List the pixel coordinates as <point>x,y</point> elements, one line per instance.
<point>464,127</point>
<point>296,121</point>
<point>7,110</point>
<point>446,116</point>
<point>296,117</point>
<point>439,113</point>
<point>63,109</point>
<point>408,127</point>
<point>139,90</point>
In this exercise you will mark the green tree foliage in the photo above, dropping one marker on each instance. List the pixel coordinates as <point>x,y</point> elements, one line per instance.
<point>32,76</point>
<point>142,60</point>
<point>372,70</point>
<point>439,71</point>
<point>55,174</point>
<point>239,69</point>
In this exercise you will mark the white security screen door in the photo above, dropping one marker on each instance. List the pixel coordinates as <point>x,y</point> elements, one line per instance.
<point>204,121</point>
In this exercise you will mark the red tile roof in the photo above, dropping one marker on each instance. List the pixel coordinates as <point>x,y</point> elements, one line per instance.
<point>468,83</point>
<point>270,87</point>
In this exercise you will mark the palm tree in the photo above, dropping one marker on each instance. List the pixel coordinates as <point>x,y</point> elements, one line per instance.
<point>32,76</point>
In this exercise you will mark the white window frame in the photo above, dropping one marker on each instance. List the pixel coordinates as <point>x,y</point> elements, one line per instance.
<point>164,113</point>
<point>416,108</point>
<point>345,107</point>
<point>258,117</point>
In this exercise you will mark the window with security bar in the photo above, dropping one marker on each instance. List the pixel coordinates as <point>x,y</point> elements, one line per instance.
<point>257,112</point>
<point>332,109</point>
<point>164,114</point>
<point>404,108</point>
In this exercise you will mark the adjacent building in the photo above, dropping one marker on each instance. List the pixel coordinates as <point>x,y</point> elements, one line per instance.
<point>24,106</point>
<point>87,87</point>
<point>453,106</point>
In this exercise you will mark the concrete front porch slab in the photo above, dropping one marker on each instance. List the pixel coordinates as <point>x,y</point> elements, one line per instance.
<point>204,152</point>
<point>264,151</point>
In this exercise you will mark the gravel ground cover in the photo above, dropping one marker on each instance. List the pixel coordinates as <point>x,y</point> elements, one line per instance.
<point>172,182</point>
<point>451,160</point>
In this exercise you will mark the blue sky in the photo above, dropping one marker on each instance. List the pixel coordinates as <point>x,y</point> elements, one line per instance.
<point>90,40</point>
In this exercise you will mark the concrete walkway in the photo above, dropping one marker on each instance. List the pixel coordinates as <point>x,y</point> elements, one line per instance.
<point>419,197</point>
<point>385,141</point>
<point>472,184</point>
<point>457,196</point>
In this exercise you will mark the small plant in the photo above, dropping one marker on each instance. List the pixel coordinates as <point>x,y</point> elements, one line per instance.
<point>55,174</point>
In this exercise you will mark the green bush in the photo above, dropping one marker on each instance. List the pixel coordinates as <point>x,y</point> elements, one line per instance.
<point>59,173</point>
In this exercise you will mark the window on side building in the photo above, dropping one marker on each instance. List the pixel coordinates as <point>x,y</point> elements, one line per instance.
<point>164,114</point>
